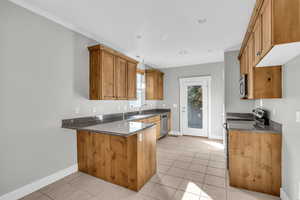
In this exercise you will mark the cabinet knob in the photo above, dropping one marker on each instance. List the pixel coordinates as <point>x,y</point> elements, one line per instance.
<point>258,53</point>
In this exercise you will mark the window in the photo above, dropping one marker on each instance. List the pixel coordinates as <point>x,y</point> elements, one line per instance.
<point>140,91</point>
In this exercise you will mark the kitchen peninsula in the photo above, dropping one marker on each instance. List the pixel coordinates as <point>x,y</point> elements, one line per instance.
<point>118,148</point>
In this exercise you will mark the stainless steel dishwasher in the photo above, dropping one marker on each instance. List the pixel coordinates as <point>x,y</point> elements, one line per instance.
<point>163,125</point>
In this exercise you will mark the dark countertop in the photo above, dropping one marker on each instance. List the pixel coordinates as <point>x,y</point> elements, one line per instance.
<point>120,128</point>
<point>240,116</point>
<point>114,124</point>
<point>250,126</point>
<point>245,122</point>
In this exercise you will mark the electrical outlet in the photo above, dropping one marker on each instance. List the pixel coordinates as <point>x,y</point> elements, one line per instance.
<point>298,116</point>
<point>274,111</point>
<point>94,109</point>
<point>261,104</point>
<point>77,110</point>
<point>175,105</point>
<point>299,191</point>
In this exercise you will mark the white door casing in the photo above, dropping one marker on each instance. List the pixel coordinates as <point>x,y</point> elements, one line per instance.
<point>186,126</point>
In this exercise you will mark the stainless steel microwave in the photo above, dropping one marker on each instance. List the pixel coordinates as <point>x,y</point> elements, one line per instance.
<point>243,86</point>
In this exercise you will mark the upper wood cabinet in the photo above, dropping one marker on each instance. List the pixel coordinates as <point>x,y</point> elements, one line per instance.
<point>131,75</point>
<point>275,26</point>
<point>154,85</point>
<point>108,75</point>
<point>266,27</point>
<point>112,74</point>
<point>262,82</point>
<point>257,41</point>
<point>120,78</point>
<point>251,68</point>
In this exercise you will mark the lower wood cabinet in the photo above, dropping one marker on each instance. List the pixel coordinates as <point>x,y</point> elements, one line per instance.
<point>255,161</point>
<point>126,161</point>
<point>155,120</point>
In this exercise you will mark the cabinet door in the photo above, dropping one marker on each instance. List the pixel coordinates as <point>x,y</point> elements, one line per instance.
<point>161,86</point>
<point>243,63</point>
<point>121,78</point>
<point>150,86</point>
<point>131,75</point>
<point>266,25</point>
<point>107,75</point>
<point>257,41</point>
<point>250,68</point>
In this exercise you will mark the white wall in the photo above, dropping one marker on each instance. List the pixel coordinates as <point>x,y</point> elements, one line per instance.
<point>284,111</point>
<point>44,77</point>
<point>233,102</point>
<point>171,93</point>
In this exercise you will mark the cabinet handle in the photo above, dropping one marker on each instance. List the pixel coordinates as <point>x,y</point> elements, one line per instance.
<point>258,53</point>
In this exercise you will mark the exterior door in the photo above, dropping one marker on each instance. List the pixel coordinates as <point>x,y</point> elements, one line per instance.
<point>194,105</point>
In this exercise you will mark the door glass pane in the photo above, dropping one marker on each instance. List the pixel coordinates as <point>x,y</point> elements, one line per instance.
<point>195,105</point>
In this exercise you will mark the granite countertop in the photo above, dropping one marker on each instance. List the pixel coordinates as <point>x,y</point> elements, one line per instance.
<point>245,122</point>
<point>120,128</point>
<point>114,124</point>
<point>250,126</point>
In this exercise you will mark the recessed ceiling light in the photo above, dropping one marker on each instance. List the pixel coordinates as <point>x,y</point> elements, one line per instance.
<point>183,52</point>
<point>202,21</point>
<point>164,37</point>
<point>138,37</point>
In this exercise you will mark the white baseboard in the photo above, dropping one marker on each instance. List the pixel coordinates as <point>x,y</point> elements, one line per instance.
<point>36,185</point>
<point>283,195</point>
<point>174,133</point>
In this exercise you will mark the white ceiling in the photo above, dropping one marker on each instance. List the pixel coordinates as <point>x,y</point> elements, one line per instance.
<point>169,29</point>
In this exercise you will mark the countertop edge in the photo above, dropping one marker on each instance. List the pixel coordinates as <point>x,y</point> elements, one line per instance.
<point>149,125</point>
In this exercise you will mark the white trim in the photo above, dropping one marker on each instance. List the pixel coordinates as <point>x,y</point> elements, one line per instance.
<point>283,195</point>
<point>198,78</point>
<point>36,185</point>
<point>66,24</point>
<point>175,133</point>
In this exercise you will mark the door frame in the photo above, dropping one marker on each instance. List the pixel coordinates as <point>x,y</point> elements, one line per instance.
<point>199,78</point>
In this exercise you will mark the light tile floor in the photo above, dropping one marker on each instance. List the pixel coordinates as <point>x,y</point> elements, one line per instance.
<point>189,168</point>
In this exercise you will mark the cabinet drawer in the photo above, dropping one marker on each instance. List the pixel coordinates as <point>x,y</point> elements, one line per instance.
<point>154,119</point>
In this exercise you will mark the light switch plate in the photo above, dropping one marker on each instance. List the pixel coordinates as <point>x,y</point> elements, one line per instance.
<point>77,110</point>
<point>298,116</point>
<point>274,111</point>
<point>299,191</point>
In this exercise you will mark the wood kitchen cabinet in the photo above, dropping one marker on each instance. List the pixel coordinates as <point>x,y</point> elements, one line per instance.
<point>257,41</point>
<point>112,74</point>
<point>154,85</point>
<point>275,28</point>
<point>156,121</point>
<point>131,76</point>
<point>126,161</point>
<point>262,82</point>
<point>255,161</point>
<point>120,78</point>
